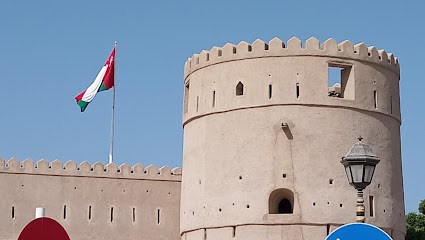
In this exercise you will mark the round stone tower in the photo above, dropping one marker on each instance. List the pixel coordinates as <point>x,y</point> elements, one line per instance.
<point>265,129</point>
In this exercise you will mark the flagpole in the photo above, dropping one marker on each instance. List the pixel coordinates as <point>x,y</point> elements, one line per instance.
<point>111,150</point>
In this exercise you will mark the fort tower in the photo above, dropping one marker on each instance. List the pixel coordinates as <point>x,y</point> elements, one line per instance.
<point>264,133</point>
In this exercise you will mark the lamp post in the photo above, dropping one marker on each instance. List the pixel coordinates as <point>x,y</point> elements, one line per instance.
<point>359,164</point>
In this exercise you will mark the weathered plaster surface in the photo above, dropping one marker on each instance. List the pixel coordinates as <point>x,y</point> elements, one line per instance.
<point>236,152</point>
<point>25,186</point>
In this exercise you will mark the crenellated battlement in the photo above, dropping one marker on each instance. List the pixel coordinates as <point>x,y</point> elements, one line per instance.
<point>85,169</point>
<point>293,47</point>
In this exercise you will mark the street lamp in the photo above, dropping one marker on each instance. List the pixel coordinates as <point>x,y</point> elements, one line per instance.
<point>359,164</point>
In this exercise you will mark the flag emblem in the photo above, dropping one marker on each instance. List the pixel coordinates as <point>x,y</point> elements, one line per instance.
<point>103,81</point>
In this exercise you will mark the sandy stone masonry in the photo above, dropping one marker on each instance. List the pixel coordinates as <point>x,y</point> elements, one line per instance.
<point>91,201</point>
<point>276,48</point>
<point>265,127</point>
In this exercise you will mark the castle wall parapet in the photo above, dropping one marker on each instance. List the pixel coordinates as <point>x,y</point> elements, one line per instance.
<point>294,47</point>
<point>85,169</point>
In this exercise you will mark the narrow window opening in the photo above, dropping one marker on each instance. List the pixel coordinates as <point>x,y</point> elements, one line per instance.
<point>331,181</point>
<point>239,89</point>
<point>197,103</point>
<point>234,50</point>
<point>197,61</point>
<point>340,81</point>
<point>158,215</point>
<point>249,48</point>
<point>298,90</point>
<point>340,205</point>
<point>208,57</point>
<point>391,104</point>
<point>284,175</point>
<point>134,214</point>
<point>375,99</point>
<point>13,212</point>
<point>64,211</point>
<point>186,97</point>
<point>220,53</point>
<point>234,232</point>
<point>112,214</point>
<point>328,228</point>
<point>266,46</point>
<point>213,99</point>
<point>270,91</point>
<point>89,212</point>
<point>371,206</point>
<point>314,204</point>
<point>205,233</point>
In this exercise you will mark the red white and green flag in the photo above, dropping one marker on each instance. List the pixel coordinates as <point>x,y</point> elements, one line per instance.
<point>104,81</point>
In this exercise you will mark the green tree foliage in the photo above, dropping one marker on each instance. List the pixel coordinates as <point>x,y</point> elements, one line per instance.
<point>422,207</point>
<point>415,224</point>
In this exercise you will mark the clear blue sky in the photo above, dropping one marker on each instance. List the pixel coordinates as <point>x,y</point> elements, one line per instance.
<point>52,50</point>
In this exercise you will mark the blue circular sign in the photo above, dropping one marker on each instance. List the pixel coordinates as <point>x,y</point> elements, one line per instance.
<point>358,231</point>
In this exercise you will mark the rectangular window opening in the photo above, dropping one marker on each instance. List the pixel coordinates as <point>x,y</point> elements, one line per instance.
<point>89,212</point>
<point>112,214</point>
<point>375,99</point>
<point>13,212</point>
<point>270,91</point>
<point>205,234</point>
<point>64,211</point>
<point>134,214</point>
<point>158,216</point>
<point>186,97</point>
<point>371,206</point>
<point>391,104</point>
<point>213,100</point>
<point>340,81</point>
<point>298,90</point>
<point>197,104</point>
<point>234,232</point>
<point>328,229</point>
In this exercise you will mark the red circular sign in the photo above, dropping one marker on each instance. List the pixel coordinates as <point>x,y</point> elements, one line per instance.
<point>43,229</point>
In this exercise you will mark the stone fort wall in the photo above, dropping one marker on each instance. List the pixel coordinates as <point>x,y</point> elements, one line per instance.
<point>91,201</point>
<point>262,124</point>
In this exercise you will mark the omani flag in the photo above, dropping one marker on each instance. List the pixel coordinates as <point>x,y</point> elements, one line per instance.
<point>103,81</point>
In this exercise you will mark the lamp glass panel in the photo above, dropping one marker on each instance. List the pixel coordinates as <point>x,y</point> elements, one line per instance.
<point>368,173</point>
<point>357,171</point>
<point>348,172</point>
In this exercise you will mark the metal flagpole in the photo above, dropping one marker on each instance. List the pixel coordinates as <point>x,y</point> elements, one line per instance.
<point>111,150</point>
